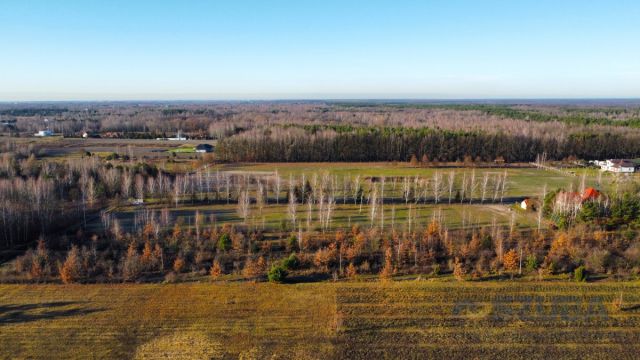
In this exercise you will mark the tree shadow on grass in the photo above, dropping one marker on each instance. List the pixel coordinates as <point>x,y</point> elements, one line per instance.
<point>631,308</point>
<point>22,313</point>
<point>307,278</point>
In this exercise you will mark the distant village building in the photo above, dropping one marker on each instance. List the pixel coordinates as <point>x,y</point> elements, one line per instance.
<point>44,133</point>
<point>178,137</point>
<point>113,135</point>
<point>87,135</point>
<point>622,166</point>
<point>204,148</point>
<point>9,124</point>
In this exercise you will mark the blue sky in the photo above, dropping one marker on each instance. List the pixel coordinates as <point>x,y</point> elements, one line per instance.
<point>235,49</point>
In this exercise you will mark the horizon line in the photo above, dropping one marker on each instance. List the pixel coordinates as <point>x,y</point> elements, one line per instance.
<point>320,99</point>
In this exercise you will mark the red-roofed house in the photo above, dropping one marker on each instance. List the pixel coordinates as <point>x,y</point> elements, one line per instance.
<point>572,201</point>
<point>590,194</point>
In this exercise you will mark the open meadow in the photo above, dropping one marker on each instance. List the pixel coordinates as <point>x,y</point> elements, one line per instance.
<point>355,320</point>
<point>498,205</point>
<point>274,218</point>
<point>523,180</point>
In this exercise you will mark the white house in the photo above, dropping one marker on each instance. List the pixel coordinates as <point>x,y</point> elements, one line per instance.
<point>43,133</point>
<point>623,166</point>
<point>527,204</point>
<point>178,137</point>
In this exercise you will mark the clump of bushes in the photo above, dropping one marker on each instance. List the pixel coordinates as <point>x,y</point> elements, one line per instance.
<point>580,274</point>
<point>277,273</point>
<point>291,262</point>
<point>224,242</point>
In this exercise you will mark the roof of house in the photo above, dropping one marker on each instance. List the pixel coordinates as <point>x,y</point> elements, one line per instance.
<point>204,147</point>
<point>575,197</point>
<point>622,163</point>
<point>590,193</point>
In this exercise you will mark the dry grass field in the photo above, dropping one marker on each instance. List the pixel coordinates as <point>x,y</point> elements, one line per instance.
<point>356,320</point>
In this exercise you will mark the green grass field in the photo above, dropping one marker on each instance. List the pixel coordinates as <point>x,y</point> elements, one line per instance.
<point>272,217</point>
<point>186,149</point>
<point>521,181</point>
<point>403,320</point>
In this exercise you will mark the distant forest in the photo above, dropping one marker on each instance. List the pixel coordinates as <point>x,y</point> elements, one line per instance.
<point>357,131</point>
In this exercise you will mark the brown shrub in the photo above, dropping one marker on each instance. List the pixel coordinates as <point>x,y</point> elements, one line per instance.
<point>178,264</point>
<point>510,260</point>
<point>71,270</point>
<point>351,271</point>
<point>216,270</point>
<point>387,270</point>
<point>459,270</point>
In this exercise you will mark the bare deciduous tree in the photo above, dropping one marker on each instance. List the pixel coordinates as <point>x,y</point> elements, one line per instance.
<point>244,202</point>
<point>292,209</point>
<point>437,186</point>
<point>485,183</point>
<point>450,182</point>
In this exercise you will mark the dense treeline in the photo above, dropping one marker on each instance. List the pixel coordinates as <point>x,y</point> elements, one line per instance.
<point>572,116</point>
<point>400,144</point>
<point>34,111</point>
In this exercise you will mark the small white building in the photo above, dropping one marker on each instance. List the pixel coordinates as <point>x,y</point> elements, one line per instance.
<point>622,166</point>
<point>527,204</point>
<point>44,133</point>
<point>178,137</point>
